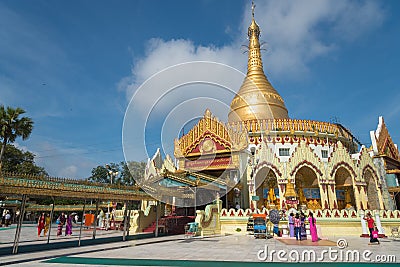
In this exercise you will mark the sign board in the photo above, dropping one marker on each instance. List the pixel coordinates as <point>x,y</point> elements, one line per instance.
<point>209,163</point>
<point>291,202</point>
<point>255,198</point>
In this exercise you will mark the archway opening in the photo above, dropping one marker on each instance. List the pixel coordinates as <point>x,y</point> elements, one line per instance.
<point>307,188</point>
<point>267,189</point>
<point>344,189</point>
<point>372,191</point>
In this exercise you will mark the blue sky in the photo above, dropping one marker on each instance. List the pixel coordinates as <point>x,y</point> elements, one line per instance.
<point>74,65</point>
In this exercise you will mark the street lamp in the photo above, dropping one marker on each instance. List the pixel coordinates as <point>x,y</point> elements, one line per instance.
<point>252,185</point>
<point>195,195</point>
<point>111,172</point>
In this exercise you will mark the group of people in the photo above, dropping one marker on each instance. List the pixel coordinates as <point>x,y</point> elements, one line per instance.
<point>44,222</point>
<point>297,226</point>
<point>5,218</point>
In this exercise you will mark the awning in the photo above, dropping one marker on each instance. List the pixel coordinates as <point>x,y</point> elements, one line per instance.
<point>394,189</point>
<point>394,171</point>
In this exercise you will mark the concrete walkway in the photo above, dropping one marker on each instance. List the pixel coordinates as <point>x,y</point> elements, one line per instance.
<point>234,250</point>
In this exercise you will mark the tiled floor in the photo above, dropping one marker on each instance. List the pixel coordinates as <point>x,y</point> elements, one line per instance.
<point>174,250</point>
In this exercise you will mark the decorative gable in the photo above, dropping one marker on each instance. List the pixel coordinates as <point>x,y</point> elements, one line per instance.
<point>210,136</point>
<point>304,155</point>
<point>382,142</point>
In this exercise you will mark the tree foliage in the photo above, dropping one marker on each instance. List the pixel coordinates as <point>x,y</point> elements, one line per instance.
<point>127,173</point>
<point>13,126</point>
<point>99,175</point>
<point>132,172</point>
<point>18,161</point>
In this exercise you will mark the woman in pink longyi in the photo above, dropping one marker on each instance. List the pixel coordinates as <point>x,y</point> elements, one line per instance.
<point>313,227</point>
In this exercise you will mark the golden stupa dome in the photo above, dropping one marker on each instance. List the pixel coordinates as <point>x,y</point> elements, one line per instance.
<point>256,99</point>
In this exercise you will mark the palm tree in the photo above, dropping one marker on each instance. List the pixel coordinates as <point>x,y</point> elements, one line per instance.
<point>12,126</point>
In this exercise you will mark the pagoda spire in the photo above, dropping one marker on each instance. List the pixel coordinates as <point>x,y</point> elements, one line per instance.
<point>257,99</point>
<point>254,63</point>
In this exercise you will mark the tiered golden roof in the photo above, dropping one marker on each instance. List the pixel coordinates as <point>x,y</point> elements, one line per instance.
<point>210,126</point>
<point>256,99</point>
<point>31,185</point>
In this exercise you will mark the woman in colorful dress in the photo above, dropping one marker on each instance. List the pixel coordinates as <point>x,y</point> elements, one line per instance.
<point>291,224</point>
<point>313,227</point>
<point>371,226</point>
<point>47,222</point>
<point>68,227</point>
<point>303,232</point>
<point>61,222</point>
<point>297,226</point>
<point>41,222</point>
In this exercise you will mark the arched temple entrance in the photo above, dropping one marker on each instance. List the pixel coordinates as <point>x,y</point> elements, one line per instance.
<point>267,188</point>
<point>344,189</point>
<point>372,191</point>
<point>307,188</point>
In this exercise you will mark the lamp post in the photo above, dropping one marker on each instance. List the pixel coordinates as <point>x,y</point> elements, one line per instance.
<point>194,191</point>
<point>252,185</point>
<point>111,172</point>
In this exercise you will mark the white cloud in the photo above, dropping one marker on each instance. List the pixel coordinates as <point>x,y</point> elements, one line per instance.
<point>58,161</point>
<point>297,33</point>
<point>161,54</point>
<point>61,161</point>
<point>69,171</point>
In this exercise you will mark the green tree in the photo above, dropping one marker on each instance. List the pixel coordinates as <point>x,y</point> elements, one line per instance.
<point>18,161</point>
<point>132,172</point>
<point>101,174</point>
<point>126,175</point>
<point>13,126</point>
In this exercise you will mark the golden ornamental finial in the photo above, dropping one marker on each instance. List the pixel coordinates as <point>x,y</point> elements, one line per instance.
<point>257,99</point>
<point>253,6</point>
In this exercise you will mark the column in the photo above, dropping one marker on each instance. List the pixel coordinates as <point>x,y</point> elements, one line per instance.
<point>378,223</point>
<point>365,231</point>
<point>357,197</point>
<point>332,196</point>
<point>323,187</point>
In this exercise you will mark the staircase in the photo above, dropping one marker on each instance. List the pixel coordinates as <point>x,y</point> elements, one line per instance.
<point>173,224</point>
<point>151,228</point>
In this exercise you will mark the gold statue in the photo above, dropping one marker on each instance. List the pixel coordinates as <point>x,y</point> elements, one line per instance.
<point>302,197</point>
<point>310,205</point>
<point>347,199</point>
<point>271,196</point>
<point>347,196</point>
<point>317,206</point>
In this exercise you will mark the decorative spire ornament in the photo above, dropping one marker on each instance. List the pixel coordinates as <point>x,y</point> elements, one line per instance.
<point>257,99</point>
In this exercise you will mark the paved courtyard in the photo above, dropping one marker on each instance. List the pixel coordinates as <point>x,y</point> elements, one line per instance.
<point>28,235</point>
<point>230,250</point>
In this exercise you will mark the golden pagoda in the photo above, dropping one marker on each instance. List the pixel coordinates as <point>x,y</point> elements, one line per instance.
<point>257,99</point>
<point>307,163</point>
